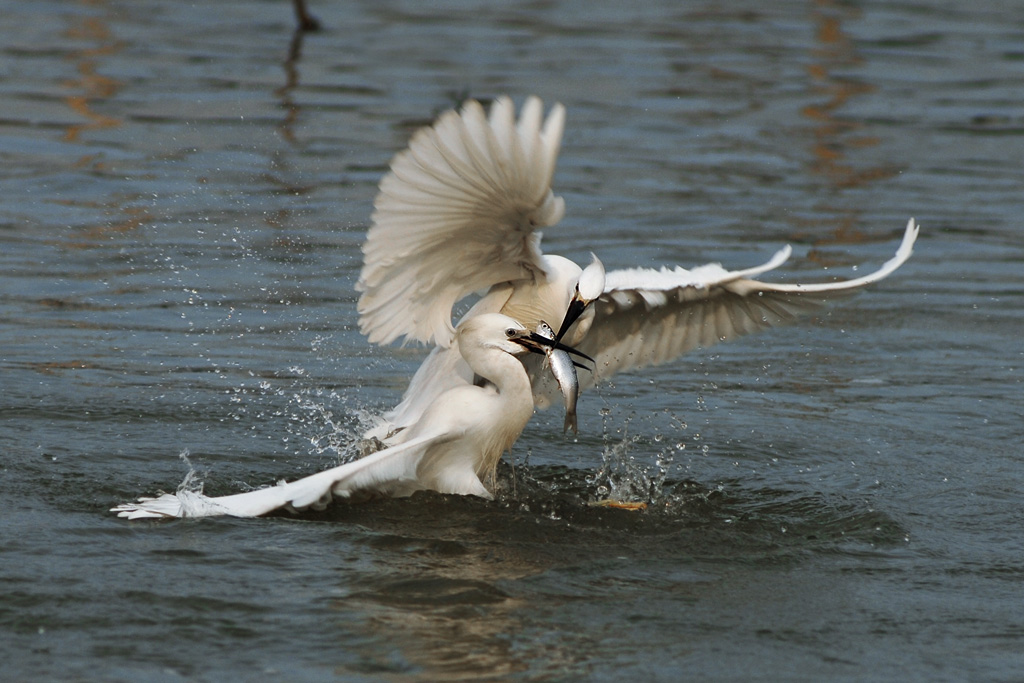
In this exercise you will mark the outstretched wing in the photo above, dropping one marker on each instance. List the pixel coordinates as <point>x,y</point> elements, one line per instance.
<point>646,317</point>
<point>457,213</point>
<point>392,471</point>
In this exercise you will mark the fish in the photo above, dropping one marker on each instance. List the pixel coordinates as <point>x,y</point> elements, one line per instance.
<point>563,369</point>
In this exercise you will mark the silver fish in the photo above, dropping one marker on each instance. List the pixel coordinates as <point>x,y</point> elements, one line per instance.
<point>564,371</point>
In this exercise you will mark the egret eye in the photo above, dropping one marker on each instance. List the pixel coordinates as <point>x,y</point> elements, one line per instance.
<point>510,332</point>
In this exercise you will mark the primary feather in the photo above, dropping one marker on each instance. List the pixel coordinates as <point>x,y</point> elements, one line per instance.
<point>456,214</point>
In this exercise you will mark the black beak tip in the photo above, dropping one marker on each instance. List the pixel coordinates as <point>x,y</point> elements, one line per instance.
<point>572,314</point>
<point>543,341</point>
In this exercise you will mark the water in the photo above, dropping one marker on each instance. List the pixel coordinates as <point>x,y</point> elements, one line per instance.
<point>183,195</point>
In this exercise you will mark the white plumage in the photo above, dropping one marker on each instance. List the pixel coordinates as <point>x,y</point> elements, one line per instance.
<point>454,448</point>
<point>459,213</point>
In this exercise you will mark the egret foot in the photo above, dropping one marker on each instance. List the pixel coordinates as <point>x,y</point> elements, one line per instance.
<point>619,505</point>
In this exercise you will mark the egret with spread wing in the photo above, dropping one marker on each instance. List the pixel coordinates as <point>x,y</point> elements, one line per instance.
<point>453,448</point>
<point>461,211</point>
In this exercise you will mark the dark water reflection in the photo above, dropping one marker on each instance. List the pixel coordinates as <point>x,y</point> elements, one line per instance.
<point>474,587</point>
<point>183,194</point>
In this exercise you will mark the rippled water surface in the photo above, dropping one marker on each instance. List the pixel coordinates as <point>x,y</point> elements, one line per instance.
<point>183,194</point>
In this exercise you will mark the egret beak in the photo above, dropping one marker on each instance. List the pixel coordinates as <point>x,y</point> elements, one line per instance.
<point>572,314</point>
<point>588,289</point>
<point>538,344</point>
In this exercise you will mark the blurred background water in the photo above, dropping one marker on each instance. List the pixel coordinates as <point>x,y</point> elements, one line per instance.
<point>183,192</point>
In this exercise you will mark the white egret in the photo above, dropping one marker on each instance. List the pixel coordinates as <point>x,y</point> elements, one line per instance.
<point>460,212</point>
<point>454,448</point>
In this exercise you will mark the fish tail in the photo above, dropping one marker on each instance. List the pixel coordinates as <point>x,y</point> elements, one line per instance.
<point>570,421</point>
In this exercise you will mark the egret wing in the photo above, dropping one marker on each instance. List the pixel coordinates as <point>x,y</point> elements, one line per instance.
<point>457,213</point>
<point>647,317</point>
<point>392,471</point>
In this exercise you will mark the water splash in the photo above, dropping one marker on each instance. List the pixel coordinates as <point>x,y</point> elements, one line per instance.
<point>326,430</point>
<point>626,478</point>
<point>192,483</point>
<point>189,495</point>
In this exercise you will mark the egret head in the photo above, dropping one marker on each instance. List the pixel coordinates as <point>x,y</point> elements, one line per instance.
<point>497,331</point>
<point>588,288</point>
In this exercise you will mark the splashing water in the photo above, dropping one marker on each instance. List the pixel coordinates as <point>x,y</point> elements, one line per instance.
<point>625,478</point>
<point>192,483</point>
<point>325,431</point>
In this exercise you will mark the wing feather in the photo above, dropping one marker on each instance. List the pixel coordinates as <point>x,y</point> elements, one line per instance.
<point>648,317</point>
<point>457,213</point>
<point>392,471</point>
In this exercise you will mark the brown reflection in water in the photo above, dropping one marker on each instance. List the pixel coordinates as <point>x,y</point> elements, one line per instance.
<point>834,135</point>
<point>284,93</point>
<point>442,608</point>
<point>279,164</point>
<point>90,85</point>
<point>87,90</point>
<point>441,597</point>
<point>306,21</point>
